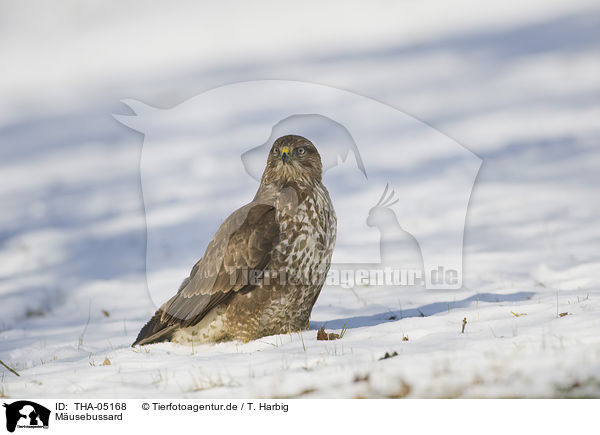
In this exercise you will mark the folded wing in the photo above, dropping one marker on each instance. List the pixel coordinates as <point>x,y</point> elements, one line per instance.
<point>245,241</point>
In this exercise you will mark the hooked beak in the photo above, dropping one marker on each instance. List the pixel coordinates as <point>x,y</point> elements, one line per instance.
<point>285,155</point>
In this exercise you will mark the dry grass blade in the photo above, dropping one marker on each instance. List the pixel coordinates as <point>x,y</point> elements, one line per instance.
<point>9,369</point>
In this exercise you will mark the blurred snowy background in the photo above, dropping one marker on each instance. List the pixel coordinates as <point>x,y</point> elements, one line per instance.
<point>517,83</point>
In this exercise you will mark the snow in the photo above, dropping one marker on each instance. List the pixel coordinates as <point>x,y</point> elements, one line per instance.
<point>517,83</point>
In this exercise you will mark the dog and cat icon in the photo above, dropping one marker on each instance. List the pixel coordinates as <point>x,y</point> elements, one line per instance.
<point>26,414</point>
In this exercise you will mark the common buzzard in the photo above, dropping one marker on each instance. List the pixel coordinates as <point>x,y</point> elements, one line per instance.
<point>263,270</point>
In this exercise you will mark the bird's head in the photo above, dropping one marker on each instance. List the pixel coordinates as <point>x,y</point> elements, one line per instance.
<point>293,158</point>
<point>382,214</point>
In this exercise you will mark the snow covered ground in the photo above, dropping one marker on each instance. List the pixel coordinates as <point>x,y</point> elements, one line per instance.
<point>517,83</point>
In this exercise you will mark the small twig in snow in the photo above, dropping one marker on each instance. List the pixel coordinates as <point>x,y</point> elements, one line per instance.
<point>11,370</point>
<point>86,326</point>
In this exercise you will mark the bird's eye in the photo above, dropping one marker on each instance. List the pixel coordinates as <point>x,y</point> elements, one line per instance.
<point>276,150</point>
<point>301,151</point>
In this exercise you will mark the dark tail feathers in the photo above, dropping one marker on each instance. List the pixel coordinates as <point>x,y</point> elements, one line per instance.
<point>155,331</point>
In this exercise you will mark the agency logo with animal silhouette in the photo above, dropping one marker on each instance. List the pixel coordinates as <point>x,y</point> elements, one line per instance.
<point>25,414</point>
<point>393,238</point>
<point>204,157</point>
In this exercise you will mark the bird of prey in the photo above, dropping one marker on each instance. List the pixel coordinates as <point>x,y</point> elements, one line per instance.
<point>263,270</point>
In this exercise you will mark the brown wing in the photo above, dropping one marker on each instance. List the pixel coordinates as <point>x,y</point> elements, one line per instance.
<point>243,242</point>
